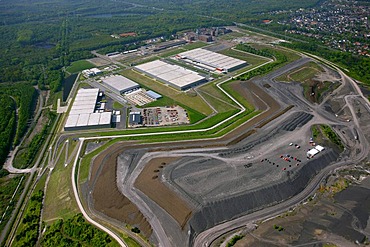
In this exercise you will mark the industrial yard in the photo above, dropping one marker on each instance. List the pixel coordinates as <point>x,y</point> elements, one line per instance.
<point>274,151</point>
<point>151,123</point>
<point>263,162</point>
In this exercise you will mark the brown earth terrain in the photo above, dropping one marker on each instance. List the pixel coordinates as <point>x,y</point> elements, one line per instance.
<point>107,199</point>
<point>150,183</point>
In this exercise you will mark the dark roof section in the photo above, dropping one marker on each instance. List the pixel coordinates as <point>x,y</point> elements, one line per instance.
<point>135,118</point>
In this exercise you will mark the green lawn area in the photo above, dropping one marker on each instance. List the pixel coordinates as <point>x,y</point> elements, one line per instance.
<point>171,52</point>
<point>250,58</point>
<point>7,188</point>
<point>79,66</point>
<point>117,106</point>
<point>212,89</point>
<point>193,102</point>
<point>324,135</point>
<point>307,72</point>
<point>131,242</point>
<point>302,74</point>
<point>194,45</point>
<point>59,198</point>
<point>232,35</point>
<point>218,104</point>
<point>291,56</point>
<point>141,60</point>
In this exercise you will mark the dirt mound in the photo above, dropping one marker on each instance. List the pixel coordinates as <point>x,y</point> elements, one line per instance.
<point>107,199</point>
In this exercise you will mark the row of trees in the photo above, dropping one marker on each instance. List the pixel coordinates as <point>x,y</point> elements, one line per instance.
<point>30,151</point>
<point>7,125</point>
<point>250,49</point>
<point>25,96</point>
<point>358,65</point>
<point>29,230</point>
<point>75,232</point>
<point>279,59</point>
<point>7,188</point>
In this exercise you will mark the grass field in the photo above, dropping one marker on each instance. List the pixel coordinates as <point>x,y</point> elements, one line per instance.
<point>59,198</point>
<point>141,61</point>
<point>79,66</point>
<point>212,89</point>
<point>302,74</point>
<point>325,135</point>
<point>131,242</point>
<point>194,45</point>
<point>291,56</point>
<point>8,186</point>
<point>195,102</point>
<point>171,52</point>
<point>117,106</point>
<point>219,105</point>
<point>250,58</point>
<point>231,36</point>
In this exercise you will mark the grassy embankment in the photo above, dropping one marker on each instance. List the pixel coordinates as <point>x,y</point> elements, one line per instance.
<point>8,189</point>
<point>78,66</point>
<point>312,89</point>
<point>324,134</point>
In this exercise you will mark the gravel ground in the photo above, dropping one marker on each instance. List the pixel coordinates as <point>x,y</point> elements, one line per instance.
<point>224,183</point>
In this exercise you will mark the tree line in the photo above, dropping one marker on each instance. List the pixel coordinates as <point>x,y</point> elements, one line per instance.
<point>75,231</point>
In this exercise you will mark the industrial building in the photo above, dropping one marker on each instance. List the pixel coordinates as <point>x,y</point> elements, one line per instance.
<point>119,84</point>
<point>83,114</point>
<point>211,61</point>
<point>169,44</point>
<point>91,72</point>
<point>173,75</point>
<point>135,118</point>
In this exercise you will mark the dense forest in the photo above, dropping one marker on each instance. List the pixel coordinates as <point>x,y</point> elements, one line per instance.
<point>7,125</point>
<point>15,98</point>
<point>39,38</point>
<point>28,233</point>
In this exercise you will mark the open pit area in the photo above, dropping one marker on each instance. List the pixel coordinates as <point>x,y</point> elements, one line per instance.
<point>337,216</point>
<point>175,191</point>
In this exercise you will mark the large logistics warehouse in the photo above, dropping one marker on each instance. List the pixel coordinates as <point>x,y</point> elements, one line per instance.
<point>120,84</point>
<point>211,61</point>
<point>173,75</point>
<point>82,114</point>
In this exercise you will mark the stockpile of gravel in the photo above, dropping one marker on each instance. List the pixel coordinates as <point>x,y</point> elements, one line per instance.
<point>219,211</point>
<point>296,120</point>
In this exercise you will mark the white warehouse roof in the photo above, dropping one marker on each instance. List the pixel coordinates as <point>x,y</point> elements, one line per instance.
<point>171,74</point>
<point>82,113</point>
<point>119,83</point>
<point>212,59</point>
